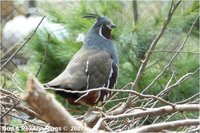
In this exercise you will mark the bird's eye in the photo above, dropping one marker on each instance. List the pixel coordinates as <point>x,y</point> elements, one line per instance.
<point>104,25</point>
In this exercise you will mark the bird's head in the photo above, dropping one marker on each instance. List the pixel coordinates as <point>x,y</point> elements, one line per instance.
<point>103,25</point>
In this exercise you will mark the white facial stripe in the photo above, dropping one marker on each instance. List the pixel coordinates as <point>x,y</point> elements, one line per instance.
<point>100,33</point>
<point>109,27</point>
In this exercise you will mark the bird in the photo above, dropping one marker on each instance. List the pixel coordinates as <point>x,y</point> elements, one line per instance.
<point>95,65</point>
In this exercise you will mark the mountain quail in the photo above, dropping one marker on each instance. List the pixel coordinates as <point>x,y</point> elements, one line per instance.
<point>95,65</point>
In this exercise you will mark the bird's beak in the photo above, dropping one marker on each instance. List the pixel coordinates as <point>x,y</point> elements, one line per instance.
<point>111,26</point>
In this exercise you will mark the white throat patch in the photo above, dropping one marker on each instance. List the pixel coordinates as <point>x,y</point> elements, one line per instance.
<point>100,33</point>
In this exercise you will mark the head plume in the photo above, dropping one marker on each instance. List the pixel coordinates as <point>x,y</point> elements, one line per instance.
<point>91,16</point>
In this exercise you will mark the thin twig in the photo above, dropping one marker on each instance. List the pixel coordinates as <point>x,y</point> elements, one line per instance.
<point>113,90</point>
<point>98,124</point>
<point>13,106</point>
<point>10,58</point>
<point>196,130</point>
<point>181,80</point>
<point>172,59</point>
<point>170,51</point>
<point>23,109</point>
<point>170,116</point>
<point>176,51</point>
<point>9,93</point>
<point>24,119</point>
<point>170,80</point>
<point>44,56</point>
<point>110,99</point>
<point>151,48</point>
<point>167,89</point>
<point>161,94</point>
<point>186,100</point>
<point>14,80</point>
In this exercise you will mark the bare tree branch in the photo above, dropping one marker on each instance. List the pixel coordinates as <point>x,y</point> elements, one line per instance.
<point>152,46</point>
<point>168,88</point>
<point>52,112</point>
<point>172,59</point>
<point>34,123</point>
<point>158,111</point>
<point>165,125</point>
<point>181,80</point>
<point>113,90</point>
<point>14,80</point>
<point>23,109</point>
<point>12,107</point>
<point>9,94</point>
<point>175,51</point>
